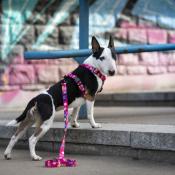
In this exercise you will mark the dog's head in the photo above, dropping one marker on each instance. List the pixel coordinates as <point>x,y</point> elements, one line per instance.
<point>104,58</point>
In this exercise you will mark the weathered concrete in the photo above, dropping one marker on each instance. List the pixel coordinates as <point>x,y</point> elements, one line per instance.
<point>131,140</point>
<point>137,99</point>
<point>123,115</point>
<point>157,141</point>
<point>87,164</point>
<point>9,100</point>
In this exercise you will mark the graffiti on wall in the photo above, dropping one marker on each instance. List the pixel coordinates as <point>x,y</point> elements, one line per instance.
<point>17,12</point>
<point>161,12</point>
<point>103,16</point>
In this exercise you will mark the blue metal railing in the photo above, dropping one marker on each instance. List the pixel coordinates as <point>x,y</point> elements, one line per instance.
<point>80,55</point>
<point>35,55</point>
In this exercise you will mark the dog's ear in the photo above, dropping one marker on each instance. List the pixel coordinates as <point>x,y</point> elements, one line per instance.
<point>111,42</point>
<point>95,45</point>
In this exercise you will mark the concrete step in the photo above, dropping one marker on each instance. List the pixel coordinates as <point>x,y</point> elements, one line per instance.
<point>142,98</point>
<point>140,141</point>
<point>137,98</point>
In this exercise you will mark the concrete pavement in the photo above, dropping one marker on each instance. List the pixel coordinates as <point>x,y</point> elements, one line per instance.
<point>88,165</point>
<point>107,165</point>
<point>122,115</point>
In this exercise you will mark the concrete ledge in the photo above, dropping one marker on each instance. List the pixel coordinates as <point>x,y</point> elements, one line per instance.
<point>164,98</point>
<point>147,98</point>
<point>155,142</point>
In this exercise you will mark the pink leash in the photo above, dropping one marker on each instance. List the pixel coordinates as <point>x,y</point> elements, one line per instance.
<point>60,161</point>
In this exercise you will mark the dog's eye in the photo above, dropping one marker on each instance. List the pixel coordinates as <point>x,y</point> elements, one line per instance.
<point>102,58</point>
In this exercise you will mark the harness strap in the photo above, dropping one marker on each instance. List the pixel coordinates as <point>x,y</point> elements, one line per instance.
<point>78,82</point>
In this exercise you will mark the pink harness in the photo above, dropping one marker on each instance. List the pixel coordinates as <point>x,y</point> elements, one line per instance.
<point>60,161</point>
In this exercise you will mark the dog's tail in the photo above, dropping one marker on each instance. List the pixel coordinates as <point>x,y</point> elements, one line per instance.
<point>23,115</point>
<point>17,120</point>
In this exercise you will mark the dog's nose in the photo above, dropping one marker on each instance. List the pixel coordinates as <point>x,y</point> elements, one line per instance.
<point>111,72</point>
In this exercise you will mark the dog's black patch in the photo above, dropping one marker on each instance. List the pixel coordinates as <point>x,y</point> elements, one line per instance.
<point>87,78</point>
<point>56,93</point>
<point>44,106</point>
<point>113,53</point>
<point>98,53</point>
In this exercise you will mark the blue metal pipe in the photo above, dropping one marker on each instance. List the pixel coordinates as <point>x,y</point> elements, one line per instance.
<point>145,48</point>
<point>35,55</point>
<point>83,41</point>
<point>84,24</point>
<point>56,54</point>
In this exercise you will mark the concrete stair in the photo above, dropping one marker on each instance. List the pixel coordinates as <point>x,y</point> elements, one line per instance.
<point>139,141</point>
<point>143,98</point>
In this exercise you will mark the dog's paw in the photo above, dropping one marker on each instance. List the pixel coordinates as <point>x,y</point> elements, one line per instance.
<point>36,158</point>
<point>96,125</point>
<point>75,124</point>
<point>7,156</point>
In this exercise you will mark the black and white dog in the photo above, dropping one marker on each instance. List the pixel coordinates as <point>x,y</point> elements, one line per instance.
<point>41,109</point>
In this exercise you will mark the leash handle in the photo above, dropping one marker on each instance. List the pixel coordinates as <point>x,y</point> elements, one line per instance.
<point>60,161</point>
<point>65,105</point>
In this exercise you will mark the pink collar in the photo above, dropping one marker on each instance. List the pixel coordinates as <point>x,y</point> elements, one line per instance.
<point>95,71</point>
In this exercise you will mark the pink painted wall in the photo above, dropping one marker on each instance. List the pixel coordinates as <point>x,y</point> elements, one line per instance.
<point>155,71</point>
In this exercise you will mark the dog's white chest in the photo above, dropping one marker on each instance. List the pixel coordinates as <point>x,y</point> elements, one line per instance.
<point>77,102</point>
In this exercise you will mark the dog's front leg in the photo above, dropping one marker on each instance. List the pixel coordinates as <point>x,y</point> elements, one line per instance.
<point>74,117</point>
<point>90,113</point>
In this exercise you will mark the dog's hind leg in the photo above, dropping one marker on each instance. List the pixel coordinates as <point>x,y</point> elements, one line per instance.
<point>39,132</point>
<point>24,125</point>
<point>41,128</point>
<point>74,117</point>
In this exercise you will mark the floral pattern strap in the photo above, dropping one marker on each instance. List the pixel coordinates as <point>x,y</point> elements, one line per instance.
<point>61,161</point>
